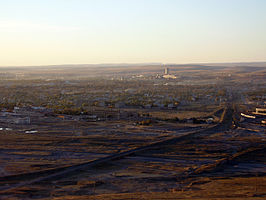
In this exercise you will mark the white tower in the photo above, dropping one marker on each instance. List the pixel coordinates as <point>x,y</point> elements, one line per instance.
<point>166,71</point>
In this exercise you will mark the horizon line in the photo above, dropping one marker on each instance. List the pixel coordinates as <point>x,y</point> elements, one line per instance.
<point>131,63</point>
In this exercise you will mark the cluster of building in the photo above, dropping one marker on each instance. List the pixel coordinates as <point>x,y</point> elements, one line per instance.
<point>23,115</point>
<point>258,116</point>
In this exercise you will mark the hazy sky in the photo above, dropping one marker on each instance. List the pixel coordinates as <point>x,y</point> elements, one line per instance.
<point>40,32</point>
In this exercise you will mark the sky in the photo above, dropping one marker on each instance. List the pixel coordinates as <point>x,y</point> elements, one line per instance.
<point>50,32</point>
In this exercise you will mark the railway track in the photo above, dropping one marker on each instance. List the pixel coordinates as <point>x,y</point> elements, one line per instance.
<point>16,181</point>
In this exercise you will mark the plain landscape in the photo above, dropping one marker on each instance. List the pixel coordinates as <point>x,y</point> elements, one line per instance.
<point>133,131</point>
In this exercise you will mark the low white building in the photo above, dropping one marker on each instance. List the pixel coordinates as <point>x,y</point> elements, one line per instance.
<point>169,76</point>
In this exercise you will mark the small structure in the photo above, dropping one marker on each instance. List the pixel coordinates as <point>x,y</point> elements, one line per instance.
<point>248,116</point>
<point>260,111</point>
<point>166,71</point>
<point>209,120</point>
<point>169,76</point>
<point>16,109</point>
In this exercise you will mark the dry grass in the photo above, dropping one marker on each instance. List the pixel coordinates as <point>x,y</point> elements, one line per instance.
<point>252,188</point>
